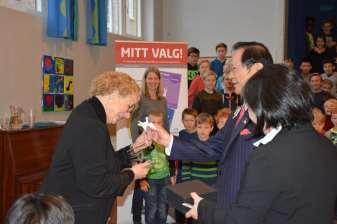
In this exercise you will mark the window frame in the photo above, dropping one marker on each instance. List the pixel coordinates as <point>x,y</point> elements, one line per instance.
<point>124,15</point>
<point>18,7</point>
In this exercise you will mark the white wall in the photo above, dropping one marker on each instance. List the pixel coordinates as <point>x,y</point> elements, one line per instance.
<point>22,44</point>
<point>152,19</point>
<point>205,23</point>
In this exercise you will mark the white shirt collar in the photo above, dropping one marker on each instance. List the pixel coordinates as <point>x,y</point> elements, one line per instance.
<point>268,137</point>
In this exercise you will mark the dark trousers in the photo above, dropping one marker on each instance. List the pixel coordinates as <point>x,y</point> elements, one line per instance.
<point>137,204</point>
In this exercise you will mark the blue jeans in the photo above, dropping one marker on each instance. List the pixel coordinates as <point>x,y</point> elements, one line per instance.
<point>156,202</point>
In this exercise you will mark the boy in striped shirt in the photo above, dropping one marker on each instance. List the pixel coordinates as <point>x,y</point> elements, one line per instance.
<point>204,171</point>
<point>189,116</point>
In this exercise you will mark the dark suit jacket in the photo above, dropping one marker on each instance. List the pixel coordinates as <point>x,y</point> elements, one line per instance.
<point>292,179</point>
<point>230,147</point>
<point>85,169</point>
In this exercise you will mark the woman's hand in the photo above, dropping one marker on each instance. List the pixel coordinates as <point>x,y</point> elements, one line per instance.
<point>193,212</point>
<point>140,170</point>
<point>143,141</point>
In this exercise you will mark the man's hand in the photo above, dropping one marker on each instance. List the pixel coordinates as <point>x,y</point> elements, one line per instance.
<point>193,212</point>
<point>144,185</point>
<point>160,135</point>
<point>140,170</point>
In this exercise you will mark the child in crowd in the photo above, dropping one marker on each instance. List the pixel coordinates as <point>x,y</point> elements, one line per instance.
<point>315,81</point>
<point>208,100</point>
<point>330,107</point>
<point>318,54</point>
<point>327,85</point>
<point>189,117</point>
<point>198,83</point>
<point>319,96</point>
<point>327,32</point>
<point>305,69</point>
<point>319,120</point>
<point>154,185</point>
<point>309,33</point>
<point>193,54</point>
<point>218,63</point>
<point>204,171</point>
<point>329,73</point>
<point>222,117</point>
<point>230,99</point>
<point>332,133</point>
<point>289,63</point>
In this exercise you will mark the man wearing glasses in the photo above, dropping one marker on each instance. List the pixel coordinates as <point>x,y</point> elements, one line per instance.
<point>232,144</point>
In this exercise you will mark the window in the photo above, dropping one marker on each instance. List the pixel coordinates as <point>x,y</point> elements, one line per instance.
<point>124,17</point>
<point>38,5</point>
<point>23,5</point>
<point>131,11</point>
<point>115,16</point>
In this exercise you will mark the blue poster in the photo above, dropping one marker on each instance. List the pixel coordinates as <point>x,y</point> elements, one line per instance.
<point>172,88</point>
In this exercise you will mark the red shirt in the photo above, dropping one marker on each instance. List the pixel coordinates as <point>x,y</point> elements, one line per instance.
<point>196,86</point>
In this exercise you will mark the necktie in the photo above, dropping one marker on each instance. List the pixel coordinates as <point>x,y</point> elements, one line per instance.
<point>242,112</point>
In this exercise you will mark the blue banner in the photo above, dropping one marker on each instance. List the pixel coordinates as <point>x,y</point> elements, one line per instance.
<point>62,19</point>
<point>97,22</point>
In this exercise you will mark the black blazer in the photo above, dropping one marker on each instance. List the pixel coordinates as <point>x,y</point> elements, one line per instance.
<point>292,179</point>
<point>85,169</point>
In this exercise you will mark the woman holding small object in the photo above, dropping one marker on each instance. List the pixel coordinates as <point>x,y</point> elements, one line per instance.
<point>85,169</point>
<point>152,99</point>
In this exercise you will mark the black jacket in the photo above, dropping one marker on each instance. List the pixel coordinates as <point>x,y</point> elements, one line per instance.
<point>85,169</point>
<point>292,179</point>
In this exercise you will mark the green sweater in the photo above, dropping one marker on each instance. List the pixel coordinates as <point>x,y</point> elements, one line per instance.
<point>332,136</point>
<point>159,163</point>
<point>204,170</point>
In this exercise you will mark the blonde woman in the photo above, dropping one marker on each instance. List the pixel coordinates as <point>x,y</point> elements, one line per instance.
<point>152,99</point>
<point>85,169</point>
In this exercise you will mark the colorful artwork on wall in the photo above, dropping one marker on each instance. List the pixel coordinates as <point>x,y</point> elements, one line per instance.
<point>58,84</point>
